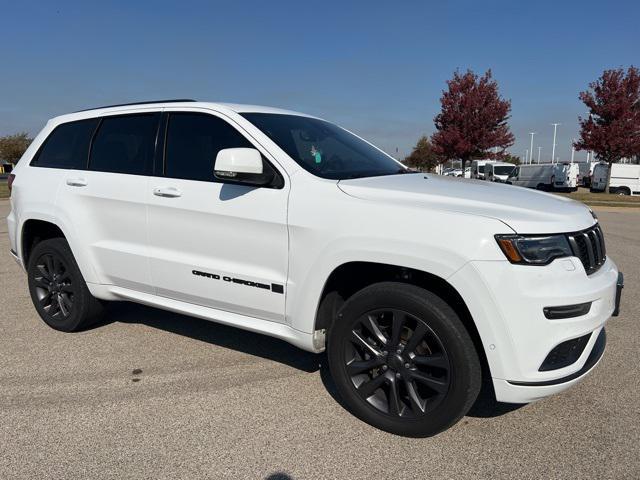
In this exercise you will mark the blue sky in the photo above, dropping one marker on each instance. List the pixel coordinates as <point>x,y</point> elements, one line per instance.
<point>377,68</point>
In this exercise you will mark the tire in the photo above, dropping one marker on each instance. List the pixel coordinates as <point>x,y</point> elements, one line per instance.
<point>63,301</point>
<point>623,191</point>
<point>430,361</point>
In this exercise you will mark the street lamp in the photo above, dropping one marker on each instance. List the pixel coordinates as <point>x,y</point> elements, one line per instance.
<point>553,150</point>
<point>531,149</point>
<point>573,148</point>
<point>539,149</point>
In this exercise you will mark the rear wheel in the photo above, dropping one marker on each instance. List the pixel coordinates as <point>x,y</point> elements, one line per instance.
<point>58,291</point>
<point>402,360</point>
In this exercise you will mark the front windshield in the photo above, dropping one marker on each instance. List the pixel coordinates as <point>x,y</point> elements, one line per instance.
<point>502,170</point>
<point>323,148</point>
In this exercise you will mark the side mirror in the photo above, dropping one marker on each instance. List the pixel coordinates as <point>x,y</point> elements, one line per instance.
<point>241,165</point>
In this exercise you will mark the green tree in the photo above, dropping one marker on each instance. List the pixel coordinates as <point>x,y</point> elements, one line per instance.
<point>423,157</point>
<point>13,146</point>
<point>507,157</point>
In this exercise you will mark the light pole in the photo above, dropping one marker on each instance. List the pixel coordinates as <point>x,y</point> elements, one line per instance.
<point>531,148</point>
<point>553,150</point>
<point>526,156</point>
<point>573,148</point>
<point>539,150</point>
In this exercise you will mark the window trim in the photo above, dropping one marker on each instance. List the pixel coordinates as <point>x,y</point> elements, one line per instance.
<point>34,160</point>
<point>279,181</point>
<point>150,172</point>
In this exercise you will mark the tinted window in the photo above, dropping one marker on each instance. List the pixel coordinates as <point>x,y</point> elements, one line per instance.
<point>193,142</point>
<point>323,148</point>
<point>503,169</point>
<point>125,144</point>
<point>67,146</point>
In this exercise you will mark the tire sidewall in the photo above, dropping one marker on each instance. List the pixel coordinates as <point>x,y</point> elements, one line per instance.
<point>60,248</point>
<point>465,366</point>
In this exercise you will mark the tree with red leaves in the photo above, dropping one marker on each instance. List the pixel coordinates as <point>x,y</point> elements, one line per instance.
<point>473,119</point>
<point>612,130</point>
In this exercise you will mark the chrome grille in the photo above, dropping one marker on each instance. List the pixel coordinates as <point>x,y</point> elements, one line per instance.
<point>588,246</point>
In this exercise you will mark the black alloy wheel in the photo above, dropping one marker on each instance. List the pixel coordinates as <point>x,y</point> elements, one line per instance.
<point>402,360</point>
<point>53,286</point>
<point>58,290</point>
<point>397,363</point>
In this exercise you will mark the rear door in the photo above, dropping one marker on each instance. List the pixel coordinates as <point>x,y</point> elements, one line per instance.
<point>106,202</point>
<point>216,244</point>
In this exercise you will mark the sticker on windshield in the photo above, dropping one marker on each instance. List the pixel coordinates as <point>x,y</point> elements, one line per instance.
<point>317,154</point>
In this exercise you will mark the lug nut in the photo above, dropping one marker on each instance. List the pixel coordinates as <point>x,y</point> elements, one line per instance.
<point>398,376</point>
<point>384,367</point>
<point>406,365</point>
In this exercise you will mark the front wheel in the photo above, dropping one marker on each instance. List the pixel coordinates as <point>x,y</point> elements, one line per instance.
<point>402,360</point>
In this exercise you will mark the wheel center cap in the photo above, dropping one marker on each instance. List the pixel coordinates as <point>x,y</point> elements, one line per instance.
<point>395,361</point>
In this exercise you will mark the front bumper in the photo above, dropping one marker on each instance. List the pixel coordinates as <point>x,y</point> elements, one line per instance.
<point>507,303</point>
<point>527,392</point>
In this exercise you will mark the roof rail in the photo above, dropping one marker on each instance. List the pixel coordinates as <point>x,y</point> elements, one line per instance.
<point>138,103</point>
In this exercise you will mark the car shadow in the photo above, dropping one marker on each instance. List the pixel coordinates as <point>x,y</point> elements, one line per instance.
<point>214,333</point>
<point>486,405</point>
<point>266,347</point>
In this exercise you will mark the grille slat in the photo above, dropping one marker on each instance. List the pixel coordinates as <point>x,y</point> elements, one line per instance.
<point>589,247</point>
<point>590,254</point>
<point>596,243</point>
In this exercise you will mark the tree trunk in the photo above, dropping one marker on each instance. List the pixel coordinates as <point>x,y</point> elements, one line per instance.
<point>606,189</point>
<point>464,162</point>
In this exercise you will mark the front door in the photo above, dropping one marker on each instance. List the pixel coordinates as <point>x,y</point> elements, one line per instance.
<point>215,244</point>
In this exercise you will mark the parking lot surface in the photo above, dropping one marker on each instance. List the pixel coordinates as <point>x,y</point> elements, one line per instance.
<point>152,394</point>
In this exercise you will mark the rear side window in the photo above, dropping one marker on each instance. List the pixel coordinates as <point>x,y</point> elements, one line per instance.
<point>125,144</point>
<point>67,146</point>
<point>193,142</point>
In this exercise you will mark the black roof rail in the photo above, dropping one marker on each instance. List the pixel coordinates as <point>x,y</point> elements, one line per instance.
<point>138,103</point>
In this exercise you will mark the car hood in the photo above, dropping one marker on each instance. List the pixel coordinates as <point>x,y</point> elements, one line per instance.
<point>524,210</point>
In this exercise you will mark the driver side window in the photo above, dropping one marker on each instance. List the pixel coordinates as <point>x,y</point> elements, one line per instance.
<point>193,141</point>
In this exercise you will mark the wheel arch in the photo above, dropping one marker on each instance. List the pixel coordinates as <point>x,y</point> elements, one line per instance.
<point>34,231</point>
<point>37,228</point>
<point>351,277</point>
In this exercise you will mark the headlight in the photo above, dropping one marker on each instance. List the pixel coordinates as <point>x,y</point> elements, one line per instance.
<point>534,250</point>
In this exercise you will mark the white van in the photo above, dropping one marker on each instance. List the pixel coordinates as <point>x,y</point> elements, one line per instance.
<point>586,172</point>
<point>477,168</point>
<point>566,176</point>
<point>625,179</point>
<point>538,176</point>
<point>546,176</point>
<point>498,171</point>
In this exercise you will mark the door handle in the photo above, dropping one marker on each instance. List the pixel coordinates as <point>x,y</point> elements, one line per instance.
<point>76,182</point>
<point>167,192</point>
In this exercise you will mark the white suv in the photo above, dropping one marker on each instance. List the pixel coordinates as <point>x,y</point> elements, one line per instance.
<point>285,224</point>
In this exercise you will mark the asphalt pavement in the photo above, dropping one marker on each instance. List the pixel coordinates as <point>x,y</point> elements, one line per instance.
<point>152,394</point>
